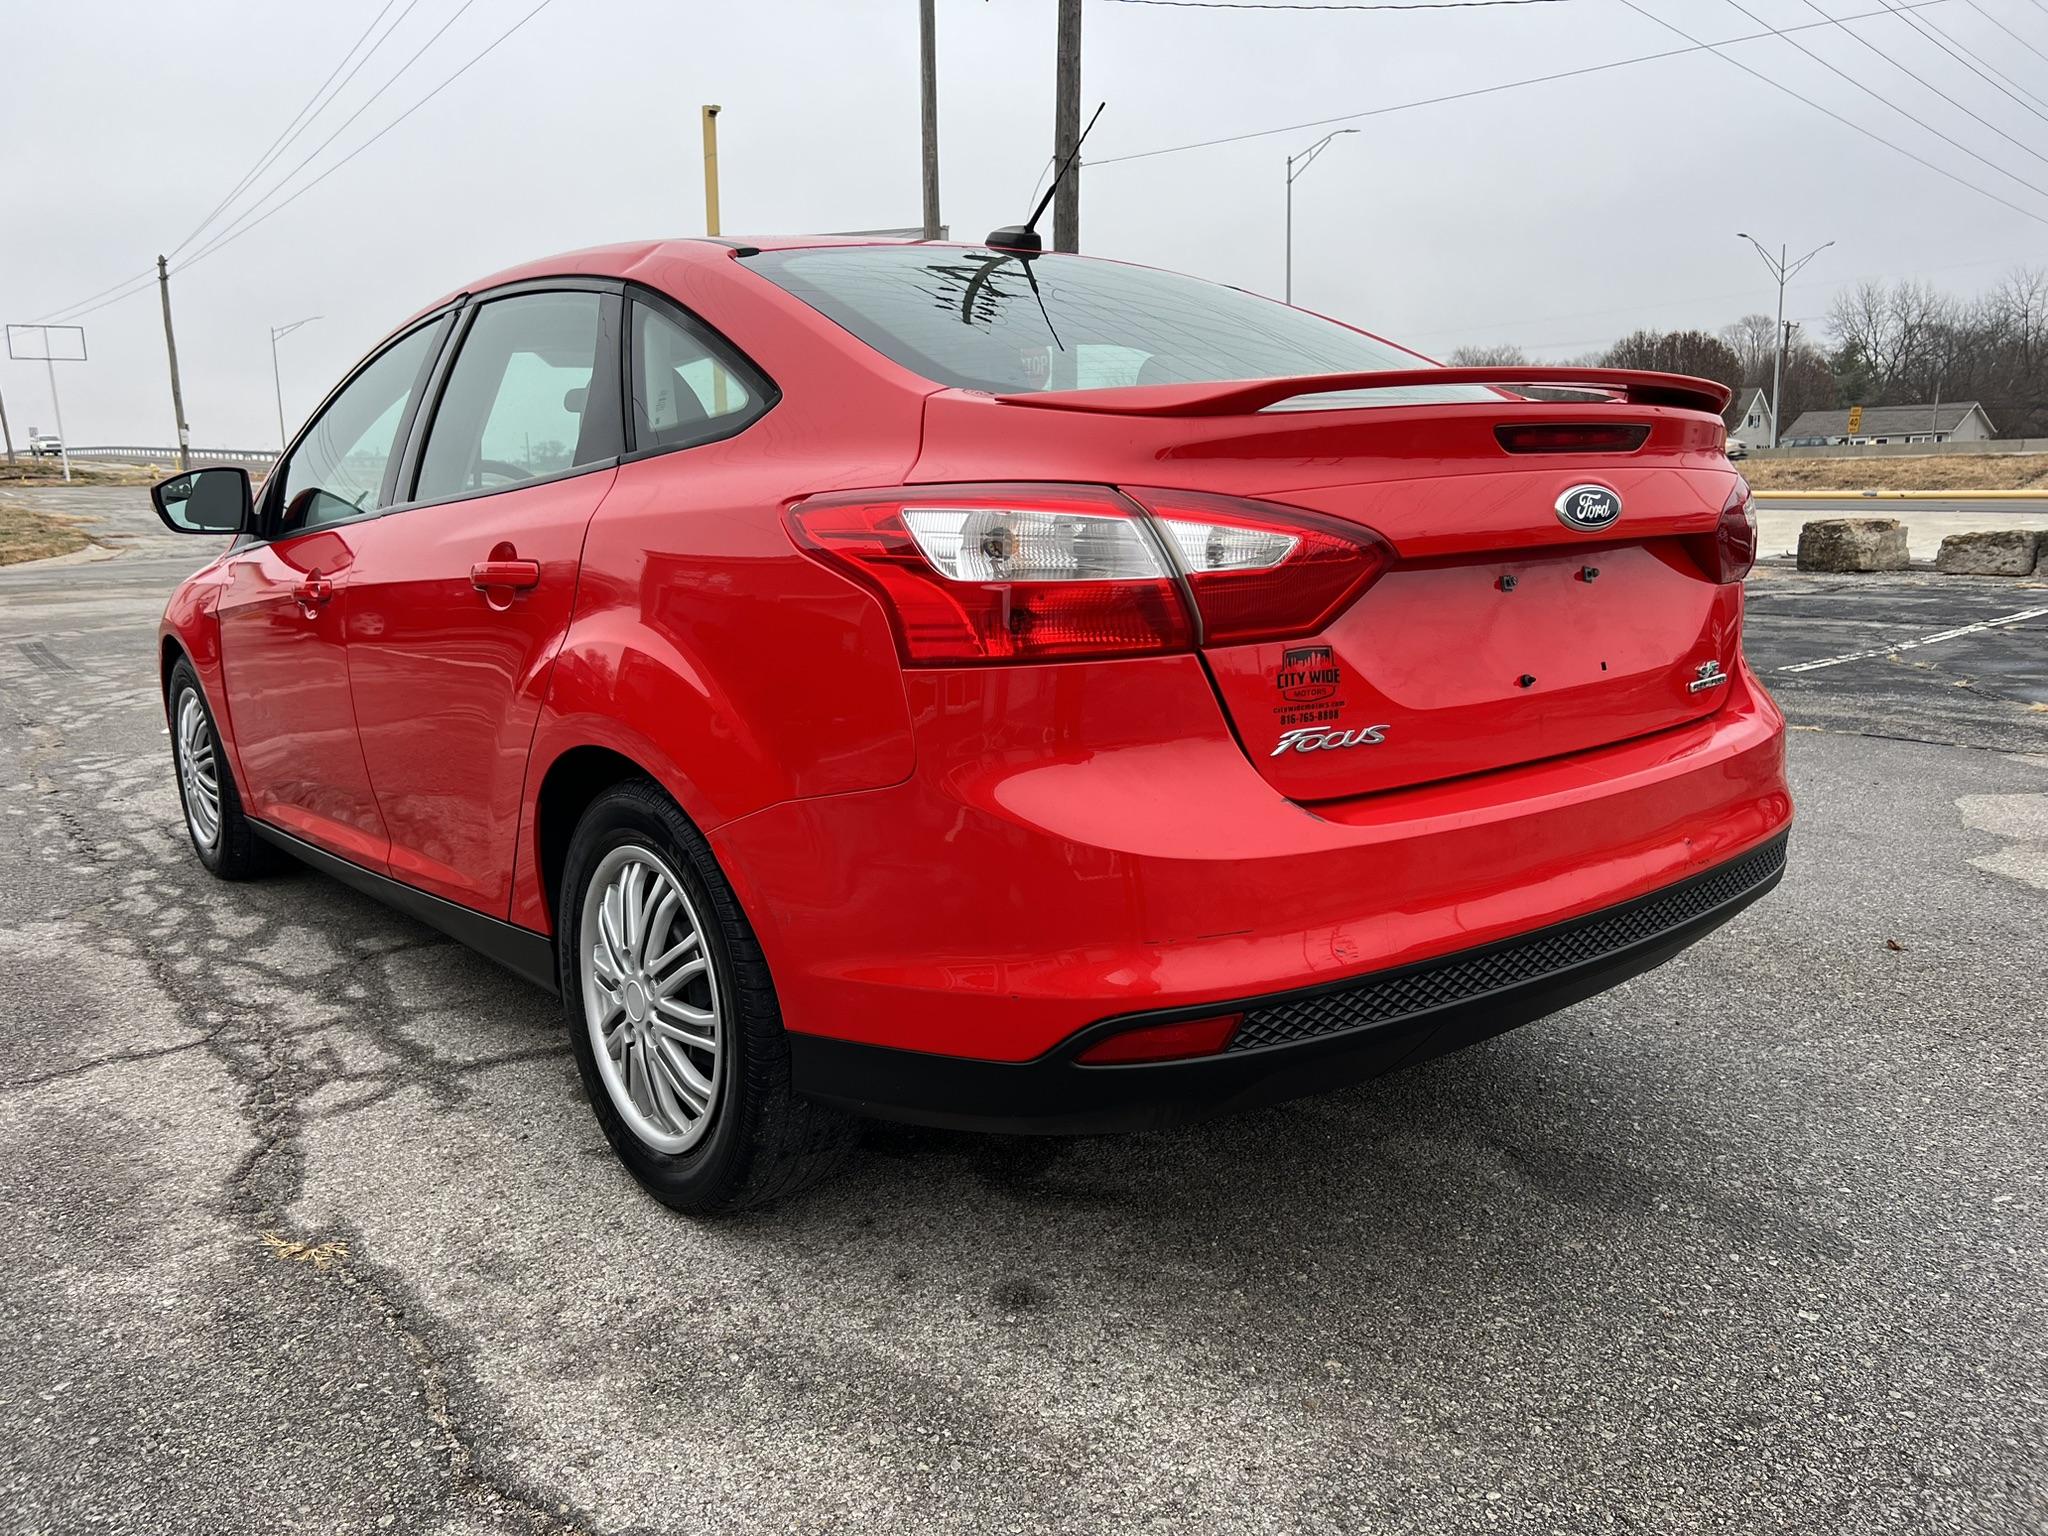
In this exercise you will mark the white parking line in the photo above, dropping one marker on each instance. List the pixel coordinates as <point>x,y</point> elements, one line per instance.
<point>1907,645</point>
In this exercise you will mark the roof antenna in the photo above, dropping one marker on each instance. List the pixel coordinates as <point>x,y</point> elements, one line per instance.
<point>1023,239</point>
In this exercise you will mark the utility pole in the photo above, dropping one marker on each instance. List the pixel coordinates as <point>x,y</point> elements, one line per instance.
<point>1777,371</point>
<point>1784,271</point>
<point>4,431</point>
<point>711,170</point>
<point>163,286</point>
<point>1296,164</point>
<point>928,38</point>
<point>1066,133</point>
<point>277,334</point>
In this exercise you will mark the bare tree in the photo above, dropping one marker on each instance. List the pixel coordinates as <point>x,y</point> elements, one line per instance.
<point>1908,344</point>
<point>1754,340</point>
<point>1489,357</point>
<point>1693,352</point>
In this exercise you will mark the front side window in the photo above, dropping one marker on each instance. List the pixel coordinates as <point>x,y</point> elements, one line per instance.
<point>338,468</point>
<point>983,320</point>
<point>683,391</point>
<point>527,397</point>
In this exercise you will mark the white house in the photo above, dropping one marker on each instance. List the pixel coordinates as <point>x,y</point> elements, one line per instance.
<point>1749,417</point>
<point>1952,421</point>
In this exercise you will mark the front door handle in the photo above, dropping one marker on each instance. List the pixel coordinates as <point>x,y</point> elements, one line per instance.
<point>515,575</point>
<point>313,593</point>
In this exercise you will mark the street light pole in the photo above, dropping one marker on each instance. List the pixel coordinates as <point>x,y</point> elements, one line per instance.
<point>277,333</point>
<point>1296,164</point>
<point>1784,272</point>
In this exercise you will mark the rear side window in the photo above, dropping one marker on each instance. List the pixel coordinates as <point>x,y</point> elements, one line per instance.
<point>686,389</point>
<point>976,319</point>
<point>338,467</point>
<point>529,396</point>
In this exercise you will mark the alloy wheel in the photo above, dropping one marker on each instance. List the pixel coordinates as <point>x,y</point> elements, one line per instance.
<point>651,999</point>
<point>198,770</point>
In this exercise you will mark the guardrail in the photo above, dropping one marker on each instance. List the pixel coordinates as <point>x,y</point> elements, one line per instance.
<point>160,455</point>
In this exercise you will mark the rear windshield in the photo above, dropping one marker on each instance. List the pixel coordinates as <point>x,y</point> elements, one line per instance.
<point>971,319</point>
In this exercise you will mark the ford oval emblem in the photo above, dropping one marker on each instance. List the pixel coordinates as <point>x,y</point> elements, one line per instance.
<point>1588,506</point>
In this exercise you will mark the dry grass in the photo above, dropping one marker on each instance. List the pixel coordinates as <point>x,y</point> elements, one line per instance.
<point>322,1256</point>
<point>27,471</point>
<point>27,535</point>
<point>1918,472</point>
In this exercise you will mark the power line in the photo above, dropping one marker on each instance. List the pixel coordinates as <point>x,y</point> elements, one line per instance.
<point>141,285</point>
<point>1885,101</point>
<point>1487,90</point>
<point>2008,31</point>
<point>148,279</point>
<point>1868,133</point>
<point>236,233</point>
<point>67,308</point>
<point>304,118</point>
<point>87,305</point>
<point>1944,95</point>
<point>1941,37</point>
<point>244,219</point>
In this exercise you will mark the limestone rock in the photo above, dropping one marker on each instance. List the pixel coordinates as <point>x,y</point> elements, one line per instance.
<point>1853,544</point>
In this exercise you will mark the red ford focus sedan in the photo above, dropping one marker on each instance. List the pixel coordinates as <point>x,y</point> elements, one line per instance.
<point>980,688</point>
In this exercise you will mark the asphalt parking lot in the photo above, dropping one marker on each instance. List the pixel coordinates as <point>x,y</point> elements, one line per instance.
<point>309,1228</point>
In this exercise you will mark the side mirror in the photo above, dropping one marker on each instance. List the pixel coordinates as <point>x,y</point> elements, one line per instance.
<point>214,500</point>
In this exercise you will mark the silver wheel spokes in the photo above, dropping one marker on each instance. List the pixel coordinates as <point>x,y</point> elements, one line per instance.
<point>198,770</point>
<point>650,996</point>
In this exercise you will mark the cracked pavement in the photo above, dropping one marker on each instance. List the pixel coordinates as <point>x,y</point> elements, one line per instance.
<point>309,1228</point>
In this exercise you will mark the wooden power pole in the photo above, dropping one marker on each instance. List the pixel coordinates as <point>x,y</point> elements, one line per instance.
<point>711,170</point>
<point>163,286</point>
<point>1066,203</point>
<point>928,30</point>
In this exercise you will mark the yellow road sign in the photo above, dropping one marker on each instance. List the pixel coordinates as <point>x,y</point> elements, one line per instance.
<point>1855,419</point>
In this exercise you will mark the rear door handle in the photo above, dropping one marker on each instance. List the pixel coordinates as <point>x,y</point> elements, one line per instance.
<point>519,575</point>
<point>313,592</point>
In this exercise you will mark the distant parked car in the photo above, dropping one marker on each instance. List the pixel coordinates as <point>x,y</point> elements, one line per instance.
<point>1737,448</point>
<point>42,445</point>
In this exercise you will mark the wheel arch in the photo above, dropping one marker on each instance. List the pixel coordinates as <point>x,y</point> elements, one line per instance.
<point>170,651</point>
<point>572,781</point>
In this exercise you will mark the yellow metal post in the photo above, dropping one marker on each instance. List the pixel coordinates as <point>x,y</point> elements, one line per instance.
<point>711,170</point>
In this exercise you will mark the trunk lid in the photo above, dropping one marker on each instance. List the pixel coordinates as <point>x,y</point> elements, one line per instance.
<point>1500,634</point>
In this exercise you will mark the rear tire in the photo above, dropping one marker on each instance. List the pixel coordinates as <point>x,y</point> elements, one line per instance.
<point>221,835</point>
<point>673,1018</point>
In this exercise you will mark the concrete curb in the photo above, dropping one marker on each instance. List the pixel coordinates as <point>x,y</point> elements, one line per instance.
<point>2037,495</point>
<point>90,555</point>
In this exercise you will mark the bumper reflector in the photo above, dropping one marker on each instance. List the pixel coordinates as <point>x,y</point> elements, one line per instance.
<point>1164,1042</point>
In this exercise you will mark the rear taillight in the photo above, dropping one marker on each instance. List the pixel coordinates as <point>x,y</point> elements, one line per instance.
<point>1260,572</point>
<point>1735,537</point>
<point>1003,573</point>
<point>978,573</point>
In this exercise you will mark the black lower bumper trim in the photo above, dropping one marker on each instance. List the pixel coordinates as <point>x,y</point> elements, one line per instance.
<point>1295,1043</point>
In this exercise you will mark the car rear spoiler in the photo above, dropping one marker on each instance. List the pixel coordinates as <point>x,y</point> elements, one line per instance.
<point>1242,397</point>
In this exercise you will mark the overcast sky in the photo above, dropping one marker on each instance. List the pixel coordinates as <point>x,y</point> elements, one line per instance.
<point>1556,216</point>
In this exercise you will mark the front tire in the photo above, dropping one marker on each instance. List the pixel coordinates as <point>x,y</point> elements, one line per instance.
<point>673,1019</point>
<point>221,835</point>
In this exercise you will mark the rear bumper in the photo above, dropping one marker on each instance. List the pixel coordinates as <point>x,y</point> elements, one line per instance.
<point>1293,1043</point>
<point>1080,843</point>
